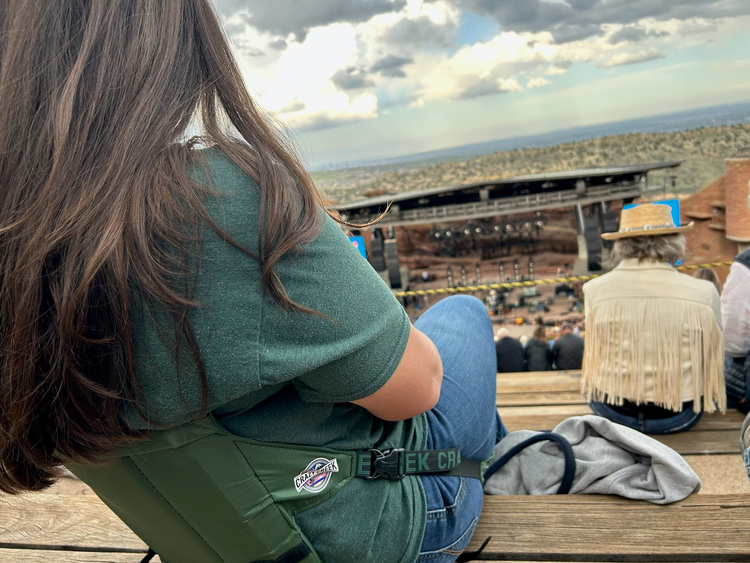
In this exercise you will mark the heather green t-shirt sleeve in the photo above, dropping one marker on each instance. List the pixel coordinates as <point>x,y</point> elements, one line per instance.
<point>354,349</point>
<point>251,347</point>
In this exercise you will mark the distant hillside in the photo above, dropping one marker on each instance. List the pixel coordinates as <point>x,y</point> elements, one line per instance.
<point>703,149</point>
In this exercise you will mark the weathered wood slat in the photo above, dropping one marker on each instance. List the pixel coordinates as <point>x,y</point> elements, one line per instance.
<point>702,442</point>
<point>540,398</point>
<point>531,387</point>
<point>731,420</point>
<point>596,528</point>
<point>542,374</point>
<point>58,556</point>
<point>695,442</point>
<point>539,417</point>
<point>531,382</point>
<point>569,385</point>
<point>547,417</point>
<point>39,520</point>
<point>720,474</point>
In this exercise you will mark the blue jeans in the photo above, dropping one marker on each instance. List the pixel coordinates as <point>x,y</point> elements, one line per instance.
<point>680,422</point>
<point>464,417</point>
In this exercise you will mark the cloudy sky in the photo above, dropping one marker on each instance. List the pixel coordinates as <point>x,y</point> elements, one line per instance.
<point>362,79</point>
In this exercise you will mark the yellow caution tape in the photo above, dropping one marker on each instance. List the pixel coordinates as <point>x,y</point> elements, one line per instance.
<point>530,283</point>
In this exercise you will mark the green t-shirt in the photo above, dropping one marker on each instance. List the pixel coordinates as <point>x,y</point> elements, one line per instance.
<point>287,377</point>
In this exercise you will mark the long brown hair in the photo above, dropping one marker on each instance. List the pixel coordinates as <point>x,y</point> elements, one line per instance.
<point>96,200</point>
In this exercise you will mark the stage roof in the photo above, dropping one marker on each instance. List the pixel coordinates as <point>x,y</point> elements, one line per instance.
<point>544,178</point>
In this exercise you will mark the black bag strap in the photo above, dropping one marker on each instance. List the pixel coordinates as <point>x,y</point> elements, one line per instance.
<point>567,450</point>
<point>396,463</point>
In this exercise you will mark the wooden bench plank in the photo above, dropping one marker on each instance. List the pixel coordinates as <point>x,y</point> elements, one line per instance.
<point>537,377</point>
<point>720,474</point>
<point>731,420</point>
<point>547,417</point>
<point>695,442</point>
<point>550,381</point>
<point>591,527</point>
<point>59,556</point>
<point>569,385</point>
<point>39,520</point>
<point>540,399</point>
<point>542,374</point>
<point>539,417</point>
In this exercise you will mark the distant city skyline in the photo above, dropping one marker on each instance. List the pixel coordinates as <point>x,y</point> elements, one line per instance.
<point>369,79</point>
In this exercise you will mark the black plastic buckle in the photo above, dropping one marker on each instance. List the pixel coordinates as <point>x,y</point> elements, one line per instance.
<point>388,464</point>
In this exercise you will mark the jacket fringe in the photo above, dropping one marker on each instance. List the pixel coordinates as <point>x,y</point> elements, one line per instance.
<point>616,331</point>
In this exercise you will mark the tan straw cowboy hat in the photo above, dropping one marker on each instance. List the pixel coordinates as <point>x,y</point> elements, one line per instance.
<point>646,220</point>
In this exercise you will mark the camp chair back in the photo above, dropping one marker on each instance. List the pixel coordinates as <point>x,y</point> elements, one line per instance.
<point>199,494</point>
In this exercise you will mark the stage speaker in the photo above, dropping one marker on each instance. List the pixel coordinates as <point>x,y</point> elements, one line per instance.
<point>391,257</point>
<point>609,222</point>
<point>377,259</point>
<point>593,244</point>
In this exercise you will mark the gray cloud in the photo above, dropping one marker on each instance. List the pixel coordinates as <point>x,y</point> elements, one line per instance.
<point>234,28</point>
<point>247,49</point>
<point>294,106</point>
<point>484,87</point>
<point>632,59</point>
<point>567,34</point>
<point>582,4</point>
<point>391,66</point>
<point>318,123</point>
<point>284,17</point>
<point>278,44</point>
<point>634,33</point>
<point>579,19</point>
<point>421,30</point>
<point>351,79</point>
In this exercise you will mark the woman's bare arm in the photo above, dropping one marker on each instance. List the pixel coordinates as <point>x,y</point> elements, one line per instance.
<point>414,387</point>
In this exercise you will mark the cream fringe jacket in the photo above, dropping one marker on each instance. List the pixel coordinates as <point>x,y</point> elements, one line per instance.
<point>653,335</point>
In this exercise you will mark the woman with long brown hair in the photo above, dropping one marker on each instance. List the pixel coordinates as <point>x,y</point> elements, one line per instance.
<point>538,353</point>
<point>147,282</point>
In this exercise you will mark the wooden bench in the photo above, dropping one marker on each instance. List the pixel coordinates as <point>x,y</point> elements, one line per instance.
<point>64,528</point>
<point>71,525</point>
<point>710,526</point>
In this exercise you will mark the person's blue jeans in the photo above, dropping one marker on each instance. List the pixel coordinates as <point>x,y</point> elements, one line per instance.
<point>680,422</point>
<point>464,417</point>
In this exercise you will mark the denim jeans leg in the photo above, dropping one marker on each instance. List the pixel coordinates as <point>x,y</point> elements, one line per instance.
<point>465,416</point>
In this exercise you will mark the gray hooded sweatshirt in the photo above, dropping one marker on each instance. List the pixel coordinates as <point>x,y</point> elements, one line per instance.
<point>611,459</point>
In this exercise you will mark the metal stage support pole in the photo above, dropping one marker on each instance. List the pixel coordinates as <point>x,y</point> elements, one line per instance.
<point>603,210</point>
<point>581,266</point>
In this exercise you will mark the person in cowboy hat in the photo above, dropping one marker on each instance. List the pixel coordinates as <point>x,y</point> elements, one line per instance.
<point>654,347</point>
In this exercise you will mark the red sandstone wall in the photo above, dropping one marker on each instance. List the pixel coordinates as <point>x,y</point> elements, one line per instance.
<point>708,245</point>
<point>737,188</point>
<point>707,241</point>
<point>700,202</point>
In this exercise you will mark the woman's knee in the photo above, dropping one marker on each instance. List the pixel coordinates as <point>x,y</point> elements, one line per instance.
<point>461,308</point>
